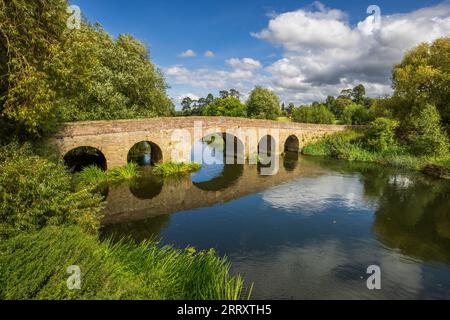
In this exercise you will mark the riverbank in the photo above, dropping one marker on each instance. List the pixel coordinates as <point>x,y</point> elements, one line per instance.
<point>48,223</point>
<point>348,146</point>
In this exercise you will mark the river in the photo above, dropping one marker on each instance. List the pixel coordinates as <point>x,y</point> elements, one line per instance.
<point>309,232</point>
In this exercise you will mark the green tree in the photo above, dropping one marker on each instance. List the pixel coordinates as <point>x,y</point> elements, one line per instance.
<point>227,107</point>
<point>424,77</point>
<point>49,73</point>
<point>314,114</point>
<point>30,36</point>
<point>358,94</point>
<point>263,104</point>
<point>104,79</point>
<point>427,136</point>
<point>355,114</point>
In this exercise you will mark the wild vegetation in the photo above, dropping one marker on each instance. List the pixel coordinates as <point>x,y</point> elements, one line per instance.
<point>174,168</point>
<point>94,177</point>
<point>110,271</point>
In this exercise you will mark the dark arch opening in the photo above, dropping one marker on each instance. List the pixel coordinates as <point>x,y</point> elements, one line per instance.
<point>145,153</point>
<point>221,166</point>
<point>82,157</point>
<point>292,144</point>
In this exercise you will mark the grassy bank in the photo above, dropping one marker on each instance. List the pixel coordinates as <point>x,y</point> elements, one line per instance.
<point>47,224</point>
<point>174,169</point>
<point>120,271</point>
<point>350,145</point>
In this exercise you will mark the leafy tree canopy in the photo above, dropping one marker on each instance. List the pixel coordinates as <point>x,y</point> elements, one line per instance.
<point>424,76</point>
<point>50,73</point>
<point>263,104</point>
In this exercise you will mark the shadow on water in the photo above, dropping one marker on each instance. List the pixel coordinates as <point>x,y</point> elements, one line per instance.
<point>147,186</point>
<point>228,175</point>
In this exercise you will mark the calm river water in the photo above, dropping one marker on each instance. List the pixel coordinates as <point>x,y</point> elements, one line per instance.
<point>309,232</point>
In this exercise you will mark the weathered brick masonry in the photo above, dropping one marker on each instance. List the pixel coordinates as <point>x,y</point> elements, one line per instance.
<point>115,138</point>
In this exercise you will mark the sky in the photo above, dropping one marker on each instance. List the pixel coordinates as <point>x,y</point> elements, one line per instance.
<point>302,50</point>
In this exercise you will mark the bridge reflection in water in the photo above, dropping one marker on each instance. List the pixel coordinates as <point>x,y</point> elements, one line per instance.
<point>314,228</point>
<point>150,196</point>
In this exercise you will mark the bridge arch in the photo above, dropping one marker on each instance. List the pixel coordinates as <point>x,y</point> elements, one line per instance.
<point>82,157</point>
<point>267,145</point>
<point>145,153</point>
<point>222,157</point>
<point>292,144</point>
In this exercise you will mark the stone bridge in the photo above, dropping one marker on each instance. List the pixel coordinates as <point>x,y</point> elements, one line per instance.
<point>114,139</point>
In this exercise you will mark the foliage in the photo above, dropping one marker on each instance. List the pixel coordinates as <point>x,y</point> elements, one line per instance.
<point>427,136</point>
<point>263,104</point>
<point>424,76</point>
<point>30,36</point>
<point>110,271</point>
<point>314,114</point>
<point>355,114</point>
<point>172,168</point>
<point>381,134</point>
<point>351,145</point>
<point>104,79</point>
<point>93,177</point>
<point>50,74</point>
<point>36,192</point>
<point>227,107</point>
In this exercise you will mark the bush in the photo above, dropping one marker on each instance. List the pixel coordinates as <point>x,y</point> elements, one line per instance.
<point>315,114</point>
<point>381,134</point>
<point>428,138</point>
<point>355,114</point>
<point>120,271</point>
<point>172,168</point>
<point>346,145</point>
<point>36,192</point>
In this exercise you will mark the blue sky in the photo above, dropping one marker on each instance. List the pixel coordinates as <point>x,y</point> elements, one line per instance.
<point>285,58</point>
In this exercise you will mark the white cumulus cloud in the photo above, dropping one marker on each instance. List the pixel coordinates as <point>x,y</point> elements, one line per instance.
<point>187,54</point>
<point>323,53</point>
<point>209,54</point>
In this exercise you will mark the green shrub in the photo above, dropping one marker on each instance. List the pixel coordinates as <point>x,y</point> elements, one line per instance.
<point>173,168</point>
<point>36,192</point>
<point>314,114</point>
<point>110,271</point>
<point>428,138</point>
<point>355,114</point>
<point>381,134</point>
<point>345,145</point>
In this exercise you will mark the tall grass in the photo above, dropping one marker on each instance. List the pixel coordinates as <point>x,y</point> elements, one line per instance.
<point>94,177</point>
<point>111,271</point>
<point>174,168</point>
